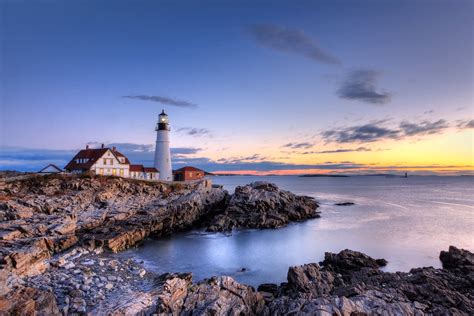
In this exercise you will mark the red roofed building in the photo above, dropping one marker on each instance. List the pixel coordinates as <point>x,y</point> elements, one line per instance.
<point>108,162</point>
<point>188,173</point>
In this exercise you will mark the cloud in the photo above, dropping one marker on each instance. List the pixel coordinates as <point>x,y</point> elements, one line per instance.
<point>360,85</point>
<point>130,147</point>
<point>374,131</point>
<point>423,128</point>
<point>194,131</point>
<point>163,100</point>
<point>363,133</point>
<point>337,151</point>
<point>290,41</point>
<point>304,145</point>
<point>242,159</point>
<point>185,150</point>
<point>465,124</point>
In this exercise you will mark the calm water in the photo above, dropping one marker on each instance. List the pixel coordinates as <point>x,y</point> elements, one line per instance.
<point>406,221</point>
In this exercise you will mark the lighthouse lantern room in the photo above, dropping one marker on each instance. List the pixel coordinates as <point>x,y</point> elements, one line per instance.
<point>162,149</point>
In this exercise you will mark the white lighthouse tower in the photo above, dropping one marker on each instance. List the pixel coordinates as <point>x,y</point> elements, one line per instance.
<point>162,149</point>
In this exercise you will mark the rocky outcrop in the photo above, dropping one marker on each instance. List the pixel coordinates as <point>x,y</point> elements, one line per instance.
<point>348,261</point>
<point>351,283</point>
<point>48,215</point>
<point>263,205</point>
<point>86,281</point>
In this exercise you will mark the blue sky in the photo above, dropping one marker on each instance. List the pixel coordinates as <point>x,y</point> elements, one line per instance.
<point>260,75</point>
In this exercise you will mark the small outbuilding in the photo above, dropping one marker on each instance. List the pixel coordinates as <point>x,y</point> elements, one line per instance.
<point>188,173</point>
<point>143,173</point>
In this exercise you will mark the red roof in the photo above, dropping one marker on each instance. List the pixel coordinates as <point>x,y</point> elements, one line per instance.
<point>136,168</point>
<point>92,155</point>
<point>150,169</point>
<point>140,168</point>
<point>188,168</point>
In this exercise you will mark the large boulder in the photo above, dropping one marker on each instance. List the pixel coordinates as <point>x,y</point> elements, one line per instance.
<point>349,260</point>
<point>263,205</point>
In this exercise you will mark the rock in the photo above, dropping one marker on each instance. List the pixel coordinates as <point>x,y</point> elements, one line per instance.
<point>263,205</point>
<point>29,301</point>
<point>269,288</point>
<point>457,260</point>
<point>109,286</point>
<point>349,260</point>
<point>69,265</point>
<point>350,283</point>
<point>222,296</point>
<point>309,278</point>
<point>344,204</point>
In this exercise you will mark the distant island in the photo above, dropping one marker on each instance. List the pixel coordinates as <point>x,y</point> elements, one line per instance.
<point>323,175</point>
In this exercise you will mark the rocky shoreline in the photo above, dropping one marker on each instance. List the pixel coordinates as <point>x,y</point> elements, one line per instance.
<point>57,235</point>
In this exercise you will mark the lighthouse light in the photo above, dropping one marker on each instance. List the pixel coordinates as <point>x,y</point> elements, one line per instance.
<point>163,119</point>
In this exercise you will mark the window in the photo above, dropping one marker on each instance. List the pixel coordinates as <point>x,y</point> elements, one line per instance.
<point>105,161</point>
<point>101,171</point>
<point>121,172</point>
<point>114,172</point>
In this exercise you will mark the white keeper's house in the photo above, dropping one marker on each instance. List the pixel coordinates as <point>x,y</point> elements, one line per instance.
<point>109,162</point>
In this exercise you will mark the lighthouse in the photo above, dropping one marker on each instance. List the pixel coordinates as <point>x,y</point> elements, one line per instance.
<point>162,149</point>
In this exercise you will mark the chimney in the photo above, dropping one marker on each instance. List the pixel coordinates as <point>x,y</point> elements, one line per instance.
<point>87,146</point>
<point>113,148</point>
<point>102,146</point>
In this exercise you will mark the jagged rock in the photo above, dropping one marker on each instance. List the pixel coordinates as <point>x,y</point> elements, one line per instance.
<point>222,296</point>
<point>309,278</point>
<point>29,301</point>
<point>458,260</point>
<point>263,205</point>
<point>350,283</point>
<point>349,260</point>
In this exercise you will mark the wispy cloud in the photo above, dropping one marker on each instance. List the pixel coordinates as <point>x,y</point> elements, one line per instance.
<point>194,131</point>
<point>131,147</point>
<point>337,151</point>
<point>242,159</point>
<point>304,145</point>
<point>185,150</point>
<point>162,100</point>
<point>465,124</point>
<point>291,41</point>
<point>363,133</point>
<point>360,85</point>
<point>423,128</point>
<point>375,131</point>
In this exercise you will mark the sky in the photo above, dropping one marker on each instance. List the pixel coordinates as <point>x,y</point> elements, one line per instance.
<point>253,87</point>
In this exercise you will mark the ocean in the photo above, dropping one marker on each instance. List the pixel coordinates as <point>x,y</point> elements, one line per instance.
<point>407,221</point>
